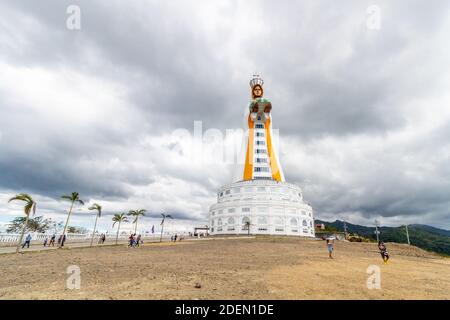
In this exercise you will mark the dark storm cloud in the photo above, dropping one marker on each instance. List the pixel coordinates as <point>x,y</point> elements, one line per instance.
<point>173,74</point>
<point>176,76</point>
<point>165,65</point>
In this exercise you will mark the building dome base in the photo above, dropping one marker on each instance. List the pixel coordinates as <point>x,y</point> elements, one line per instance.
<point>267,207</point>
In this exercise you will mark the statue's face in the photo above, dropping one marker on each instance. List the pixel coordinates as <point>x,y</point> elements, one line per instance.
<point>257,91</point>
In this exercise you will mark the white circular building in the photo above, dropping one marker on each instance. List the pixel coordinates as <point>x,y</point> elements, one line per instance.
<point>261,207</point>
<point>260,201</point>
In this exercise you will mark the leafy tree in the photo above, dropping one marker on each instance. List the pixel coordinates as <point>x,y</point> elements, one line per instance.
<point>72,229</point>
<point>38,224</point>
<point>330,228</point>
<point>30,205</point>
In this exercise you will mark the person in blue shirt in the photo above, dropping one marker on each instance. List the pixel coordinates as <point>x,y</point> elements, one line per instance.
<point>27,241</point>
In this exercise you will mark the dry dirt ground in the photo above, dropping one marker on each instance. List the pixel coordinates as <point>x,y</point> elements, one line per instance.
<point>261,268</point>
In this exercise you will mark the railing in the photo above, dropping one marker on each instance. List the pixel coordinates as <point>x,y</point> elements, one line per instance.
<point>13,238</point>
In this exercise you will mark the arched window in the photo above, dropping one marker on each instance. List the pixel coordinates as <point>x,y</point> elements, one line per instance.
<point>310,224</point>
<point>304,223</point>
<point>293,222</point>
<point>262,220</point>
<point>279,221</point>
<point>245,220</point>
<point>230,220</point>
<point>212,222</point>
<point>219,221</point>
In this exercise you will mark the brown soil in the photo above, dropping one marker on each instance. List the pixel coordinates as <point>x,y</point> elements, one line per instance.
<point>262,268</point>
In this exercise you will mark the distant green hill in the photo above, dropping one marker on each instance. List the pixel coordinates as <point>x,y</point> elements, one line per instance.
<point>422,236</point>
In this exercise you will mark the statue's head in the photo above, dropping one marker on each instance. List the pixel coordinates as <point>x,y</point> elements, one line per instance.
<point>257,91</point>
<point>256,84</point>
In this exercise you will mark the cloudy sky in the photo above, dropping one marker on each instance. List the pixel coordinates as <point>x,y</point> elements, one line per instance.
<point>360,97</point>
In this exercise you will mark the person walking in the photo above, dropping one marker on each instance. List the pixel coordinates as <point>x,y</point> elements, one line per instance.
<point>383,251</point>
<point>27,241</point>
<point>45,241</point>
<point>175,238</point>
<point>52,240</point>
<point>138,240</point>
<point>330,247</point>
<point>131,241</point>
<point>103,238</point>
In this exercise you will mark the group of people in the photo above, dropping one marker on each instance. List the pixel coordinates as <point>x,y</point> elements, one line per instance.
<point>51,243</point>
<point>175,237</point>
<point>47,242</point>
<point>134,241</point>
<point>381,246</point>
<point>102,239</point>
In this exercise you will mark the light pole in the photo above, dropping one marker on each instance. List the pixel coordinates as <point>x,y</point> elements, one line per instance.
<point>407,234</point>
<point>376,230</point>
<point>345,230</point>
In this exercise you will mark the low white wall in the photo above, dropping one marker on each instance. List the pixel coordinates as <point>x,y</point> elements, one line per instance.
<point>7,239</point>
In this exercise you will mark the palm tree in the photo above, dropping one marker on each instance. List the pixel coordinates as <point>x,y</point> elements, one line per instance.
<point>97,207</point>
<point>74,197</point>
<point>164,216</point>
<point>247,226</point>
<point>119,217</point>
<point>136,214</point>
<point>30,205</point>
